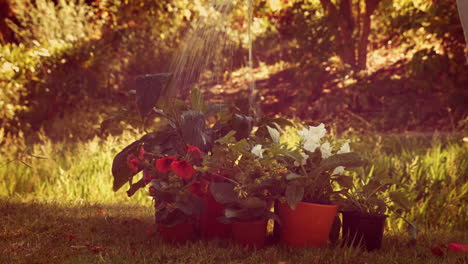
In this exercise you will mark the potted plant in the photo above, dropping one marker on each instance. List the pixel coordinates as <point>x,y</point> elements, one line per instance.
<point>306,210</point>
<point>183,137</point>
<point>177,204</point>
<point>364,208</point>
<point>249,186</point>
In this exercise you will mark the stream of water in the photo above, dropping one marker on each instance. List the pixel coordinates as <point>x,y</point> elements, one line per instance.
<point>208,50</point>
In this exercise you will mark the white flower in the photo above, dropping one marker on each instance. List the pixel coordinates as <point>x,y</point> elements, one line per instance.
<point>274,134</point>
<point>303,133</point>
<point>258,151</point>
<point>311,145</point>
<point>303,161</point>
<point>326,150</point>
<point>338,170</point>
<point>344,148</point>
<point>312,134</point>
<point>318,131</point>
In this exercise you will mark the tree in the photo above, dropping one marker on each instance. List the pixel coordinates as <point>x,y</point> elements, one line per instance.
<point>6,34</point>
<point>353,22</point>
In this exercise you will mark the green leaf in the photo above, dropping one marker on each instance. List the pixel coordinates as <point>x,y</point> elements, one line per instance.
<point>121,172</point>
<point>344,181</point>
<point>242,125</point>
<point>244,214</point>
<point>232,213</point>
<point>223,192</point>
<point>190,205</point>
<point>149,88</point>
<point>293,176</point>
<point>214,108</point>
<point>252,202</point>
<point>348,160</point>
<point>240,146</point>
<point>227,138</point>
<point>197,100</point>
<point>283,122</point>
<point>194,131</point>
<point>274,134</point>
<point>294,194</point>
<point>400,199</point>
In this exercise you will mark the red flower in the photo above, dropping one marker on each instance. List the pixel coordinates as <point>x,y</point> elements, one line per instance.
<point>183,169</point>
<point>164,164</point>
<point>199,188</point>
<point>133,163</point>
<point>194,152</point>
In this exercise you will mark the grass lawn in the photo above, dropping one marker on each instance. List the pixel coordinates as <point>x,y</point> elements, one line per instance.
<point>53,233</point>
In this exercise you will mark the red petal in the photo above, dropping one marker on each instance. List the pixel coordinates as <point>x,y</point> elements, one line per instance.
<point>194,152</point>
<point>164,164</point>
<point>183,169</point>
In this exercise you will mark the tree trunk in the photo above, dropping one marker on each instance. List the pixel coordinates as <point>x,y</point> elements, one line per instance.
<point>346,31</point>
<point>6,34</point>
<point>345,25</point>
<point>371,5</point>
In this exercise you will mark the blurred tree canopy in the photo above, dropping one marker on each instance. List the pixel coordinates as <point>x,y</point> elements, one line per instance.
<point>370,64</point>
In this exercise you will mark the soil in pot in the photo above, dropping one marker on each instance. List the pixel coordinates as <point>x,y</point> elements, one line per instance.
<point>364,227</point>
<point>210,227</point>
<point>251,234</point>
<point>178,234</point>
<point>308,225</point>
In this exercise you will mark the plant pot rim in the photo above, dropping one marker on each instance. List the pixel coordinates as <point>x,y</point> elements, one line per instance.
<point>313,204</point>
<point>364,214</point>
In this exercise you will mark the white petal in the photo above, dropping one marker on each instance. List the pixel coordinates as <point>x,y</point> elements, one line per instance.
<point>338,170</point>
<point>344,148</point>
<point>303,161</point>
<point>274,134</point>
<point>326,150</point>
<point>311,145</point>
<point>303,133</point>
<point>318,131</point>
<point>257,151</point>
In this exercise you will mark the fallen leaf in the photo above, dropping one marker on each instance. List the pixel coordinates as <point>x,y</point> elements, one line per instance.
<point>101,212</point>
<point>437,251</point>
<point>455,247</point>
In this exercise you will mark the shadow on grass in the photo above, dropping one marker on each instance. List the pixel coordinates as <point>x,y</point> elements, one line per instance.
<point>53,233</point>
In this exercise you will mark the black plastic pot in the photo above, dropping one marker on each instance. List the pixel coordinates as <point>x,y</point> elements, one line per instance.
<point>364,227</point>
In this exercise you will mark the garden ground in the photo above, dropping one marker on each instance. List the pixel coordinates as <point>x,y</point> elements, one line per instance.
<point>99,233</point>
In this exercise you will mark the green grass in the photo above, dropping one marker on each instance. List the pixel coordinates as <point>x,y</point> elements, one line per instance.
<point>72,172</point>
<point>48,209</point>
<point>54,233</point>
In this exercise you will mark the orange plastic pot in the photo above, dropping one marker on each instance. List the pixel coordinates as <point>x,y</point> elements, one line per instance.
<point>177,234</point>
<point>250,234</point>
<point>308,225</point>
<point>210,227</point>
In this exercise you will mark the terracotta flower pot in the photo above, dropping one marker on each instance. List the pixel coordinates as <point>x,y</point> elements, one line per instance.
<point>250,234</point>
<point>210,227</point>
<point>364,227</point>
<point>308,225</point>
<point>177,234</point>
